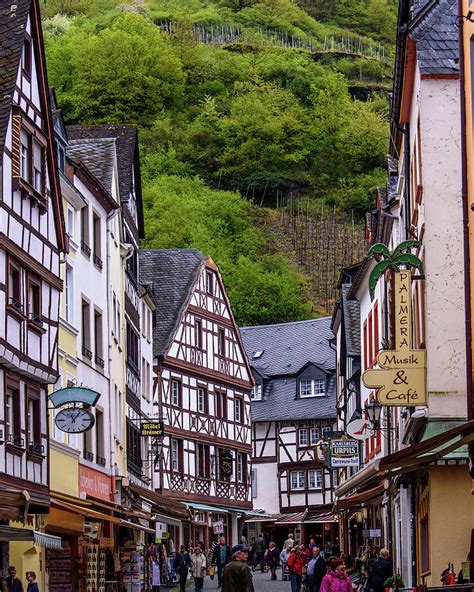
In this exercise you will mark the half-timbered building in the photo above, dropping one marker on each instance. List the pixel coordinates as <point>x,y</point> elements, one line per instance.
<point>31,241</point>
<point>293,410</point>
<point>202,384</point>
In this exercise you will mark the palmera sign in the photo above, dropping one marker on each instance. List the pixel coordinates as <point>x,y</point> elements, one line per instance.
<point>401,374</point>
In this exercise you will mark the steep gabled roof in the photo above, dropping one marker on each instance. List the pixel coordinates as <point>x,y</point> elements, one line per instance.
<point>287,347</point>
<point>279,353</point>
<point>171,273</point>
<point>435,31</point>
<point>98,155</point>
<point>126,137</point>
<point>13,18</point>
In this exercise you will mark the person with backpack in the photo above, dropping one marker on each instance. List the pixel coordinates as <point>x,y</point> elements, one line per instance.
<point>181,565</point>
<point>336,580</point>
<point>381,570</point>
<point>296,563</point>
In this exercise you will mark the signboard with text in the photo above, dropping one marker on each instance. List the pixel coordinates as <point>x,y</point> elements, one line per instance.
<point>95,484</point>
<point>401,374</point>
<point>155,429</point>
<point>344,453</point>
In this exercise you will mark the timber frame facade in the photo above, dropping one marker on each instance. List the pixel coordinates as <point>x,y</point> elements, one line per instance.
<point>32,239</point>
<point>202,384</point>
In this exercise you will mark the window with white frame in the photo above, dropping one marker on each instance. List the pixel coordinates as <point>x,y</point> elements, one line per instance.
<point>315,479</point>
<point>38,167</point>
<point>313,436</point>
<point>240,467</point>
<point>69,294</point>
<point>25,156</point>
<point>175,392</point>
<point>256,394</point>
<point>326,432</point>
<point>201,400</point>
<point>175,455</point>
<point>238,410</point>
<point>70,223</point>
<point>313,387</point>
<point>303,437</point>
<point>297,480</point>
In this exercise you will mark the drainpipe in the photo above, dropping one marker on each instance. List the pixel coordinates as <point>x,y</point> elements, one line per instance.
<point>406,158</point>
<point>465,212</point>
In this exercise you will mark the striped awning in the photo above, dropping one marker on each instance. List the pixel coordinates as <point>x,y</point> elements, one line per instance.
<point>10,534</point>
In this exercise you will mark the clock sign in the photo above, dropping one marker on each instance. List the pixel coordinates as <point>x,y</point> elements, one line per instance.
<point>74,420</point>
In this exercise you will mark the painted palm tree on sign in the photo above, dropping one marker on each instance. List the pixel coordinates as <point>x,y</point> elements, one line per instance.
<point>392,260</point>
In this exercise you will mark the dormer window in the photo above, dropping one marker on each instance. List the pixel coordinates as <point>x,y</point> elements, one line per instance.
<point>314,387</point>
<point>258,354</point>
<point>256,393</point>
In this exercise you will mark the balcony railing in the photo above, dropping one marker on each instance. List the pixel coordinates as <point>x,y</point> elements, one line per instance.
<point>35,319</point>
<point>100,460</point>
<point>16,441</point>
<point>133,366</point>
<point>134,468</point>
<point>89,455</point>
<point>99,361</point>
<point>36,448</point>
<point>16,304</point>
<point>85,249</point>
<point>86,352</point>
<point>98,262</point>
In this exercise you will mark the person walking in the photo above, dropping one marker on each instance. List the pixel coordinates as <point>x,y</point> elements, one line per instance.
<point>296,563</point>
<point>221,556</point>
<point>284,560</point>
<point>198,568</point>
<point>316,570</point>
<point>289,543</point>
<point>237,576</point>
<point>259,551</point>
<point>336,580</point>
<point>381,570</point>
<point>13,583</point>
<point>272,559</point>
<point>32,583</point>
<point>181,565</point>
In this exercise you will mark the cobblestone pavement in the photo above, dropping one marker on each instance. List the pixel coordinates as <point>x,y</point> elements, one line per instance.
<point>261,582</point>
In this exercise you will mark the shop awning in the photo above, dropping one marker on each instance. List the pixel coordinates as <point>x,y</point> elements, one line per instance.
<point>167,520</point>
<point>407,459</point>
<point>293,518</point>
<point>85,511</point>
<point>165,505</point>
<point>136,526</point>
<point>358,498</point>
<point>10,534</point>
<point>207,508</point>
<point>263,518</point>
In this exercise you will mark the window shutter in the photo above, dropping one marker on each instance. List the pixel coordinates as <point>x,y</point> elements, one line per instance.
<point>16,142</point>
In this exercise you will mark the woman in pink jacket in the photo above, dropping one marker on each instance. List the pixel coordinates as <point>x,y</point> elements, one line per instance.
<point>336,580</point>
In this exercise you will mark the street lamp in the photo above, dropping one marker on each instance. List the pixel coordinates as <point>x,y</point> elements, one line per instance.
<point>374,411</point>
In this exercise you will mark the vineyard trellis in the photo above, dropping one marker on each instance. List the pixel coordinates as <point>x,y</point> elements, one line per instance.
<point>223,34</point>
<point>322,242</point>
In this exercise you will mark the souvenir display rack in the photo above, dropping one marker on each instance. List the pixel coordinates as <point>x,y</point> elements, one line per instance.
<point>59,567</point>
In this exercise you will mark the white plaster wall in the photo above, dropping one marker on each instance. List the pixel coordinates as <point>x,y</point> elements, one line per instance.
<point>267,497</point>
<point>445,330</point>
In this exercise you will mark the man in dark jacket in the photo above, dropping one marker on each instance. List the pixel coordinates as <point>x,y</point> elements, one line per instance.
<point>221,556</point>
<point>181,565</point>
<point>316,570</point>
<point>237,576</point>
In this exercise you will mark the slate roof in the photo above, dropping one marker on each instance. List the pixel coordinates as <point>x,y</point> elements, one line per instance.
<point>126,137</point>
<point>171,273</point>
<point>13,18</point>
<point>287,349</point>
<point>351,309</point>
<point>436,35</point>
<point>98,155</point>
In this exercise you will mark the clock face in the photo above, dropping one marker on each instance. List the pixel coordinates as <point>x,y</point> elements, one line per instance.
<point>74,420</point>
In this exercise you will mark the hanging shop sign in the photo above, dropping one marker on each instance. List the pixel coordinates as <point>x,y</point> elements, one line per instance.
<point>218,527</point>
<point>344,452</point>
<point>75,394</point>
<point>401,374</point>
<point>94,484</point>
<point>151,428</point>
<point>359,429</point>
<point>225,464</point>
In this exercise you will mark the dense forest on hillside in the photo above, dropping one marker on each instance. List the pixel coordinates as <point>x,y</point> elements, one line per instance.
<point>242,105</point>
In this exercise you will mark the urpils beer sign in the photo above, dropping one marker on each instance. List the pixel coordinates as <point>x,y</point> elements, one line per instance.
<point>401,374</point>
